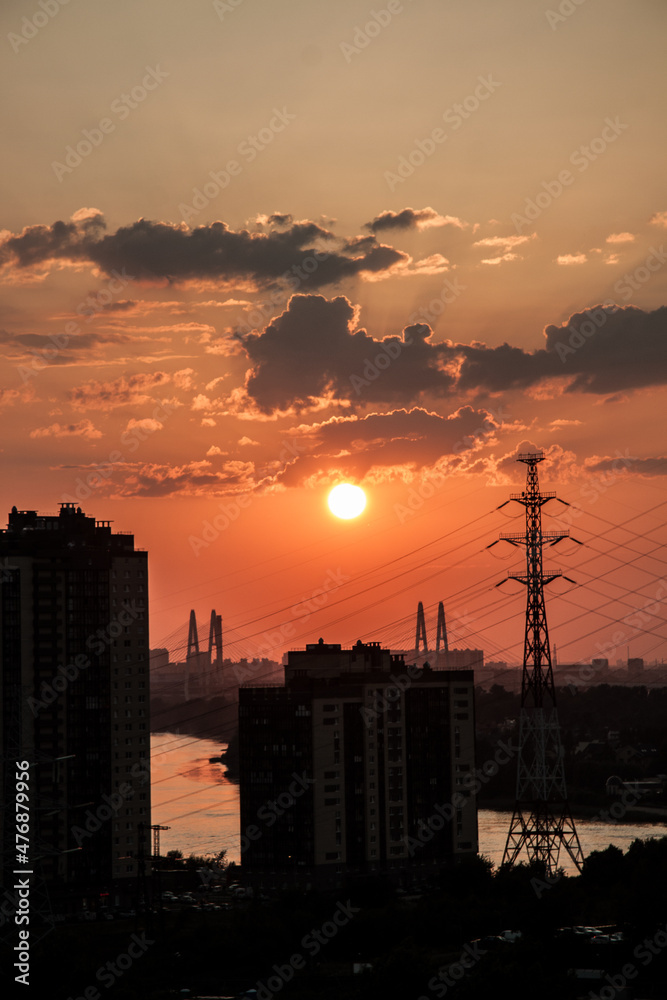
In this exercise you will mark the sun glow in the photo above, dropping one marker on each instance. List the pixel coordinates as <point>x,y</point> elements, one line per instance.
<point>346,501</point>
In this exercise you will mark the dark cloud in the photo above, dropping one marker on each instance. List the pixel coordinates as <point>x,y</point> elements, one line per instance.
<point>421,428</point>
<point>631,465</point>
<point>612,349</point>
<point>195,478</point>
<point>84,429</point>
<point>37,244</point>
<point>158,251</point>
<point>123,305</point>
<point>124,391</point>
<point>412,218</point>
<point>387,442</point>
<point>495,369</point>
<point>559,465</point>
<point>191,479</point>
<point>360,244</point>
<point>313,350</point>
<point>280,219</point>
<point>604,350</point>
<point>41,342</point>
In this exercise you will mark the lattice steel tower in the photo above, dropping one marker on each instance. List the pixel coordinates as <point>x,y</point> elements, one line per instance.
<point>542,822</point>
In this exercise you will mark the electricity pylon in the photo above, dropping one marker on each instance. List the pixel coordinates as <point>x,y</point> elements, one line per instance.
<point>542,822</point>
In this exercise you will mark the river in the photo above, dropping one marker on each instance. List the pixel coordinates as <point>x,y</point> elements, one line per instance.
<point>201,807</point>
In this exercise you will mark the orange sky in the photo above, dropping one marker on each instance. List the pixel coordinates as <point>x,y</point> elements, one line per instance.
<point>251,249</point>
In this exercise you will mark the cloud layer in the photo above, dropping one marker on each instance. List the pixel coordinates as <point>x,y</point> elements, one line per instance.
<point>163,252</point>
<point>314,350</point>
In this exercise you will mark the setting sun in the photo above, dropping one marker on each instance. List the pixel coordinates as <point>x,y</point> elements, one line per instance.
<point>347,501</point>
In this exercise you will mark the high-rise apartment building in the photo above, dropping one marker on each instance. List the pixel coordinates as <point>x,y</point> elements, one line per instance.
<point>74,699</point>
<point>358,765</point>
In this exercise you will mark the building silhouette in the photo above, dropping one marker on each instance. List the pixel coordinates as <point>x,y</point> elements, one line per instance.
<point>358,765</point>
<point>74,695</point>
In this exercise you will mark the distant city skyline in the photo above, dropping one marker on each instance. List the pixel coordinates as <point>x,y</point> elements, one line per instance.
<point>249,251</point>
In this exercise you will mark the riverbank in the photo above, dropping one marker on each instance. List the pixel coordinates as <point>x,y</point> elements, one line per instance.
<point>581,810</point>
